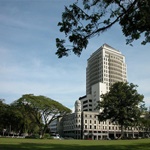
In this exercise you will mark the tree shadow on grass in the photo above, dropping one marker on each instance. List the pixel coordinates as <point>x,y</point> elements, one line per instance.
<point>31,146</point>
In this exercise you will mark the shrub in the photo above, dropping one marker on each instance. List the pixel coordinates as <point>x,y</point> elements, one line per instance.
<point>34,136</point>
<point>46,136</point>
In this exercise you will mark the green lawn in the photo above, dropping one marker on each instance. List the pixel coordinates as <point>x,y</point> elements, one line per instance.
<point>42,144</point>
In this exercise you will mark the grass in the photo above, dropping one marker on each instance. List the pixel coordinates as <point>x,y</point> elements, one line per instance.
<point>42,144</point>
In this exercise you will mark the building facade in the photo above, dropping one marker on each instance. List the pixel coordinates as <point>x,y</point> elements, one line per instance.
<point>89,102</point>
<point>105,65</point>
<point>85,125</point>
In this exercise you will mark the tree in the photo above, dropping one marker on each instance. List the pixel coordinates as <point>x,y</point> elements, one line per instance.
<point>23,120</point>
<point>8,117</point>
<point>145,123</point>
<point>94,17</point>
<point>43,109</point>
<point>3,107</point>
<point>122,105</point>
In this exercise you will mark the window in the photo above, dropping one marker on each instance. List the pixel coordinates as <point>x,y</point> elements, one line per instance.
<point>85,106</point>
<point>90,100</point>
<point>85,102</point>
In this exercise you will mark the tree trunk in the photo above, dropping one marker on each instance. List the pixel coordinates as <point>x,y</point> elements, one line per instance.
<point>42,131</point>
<point>122,132</point>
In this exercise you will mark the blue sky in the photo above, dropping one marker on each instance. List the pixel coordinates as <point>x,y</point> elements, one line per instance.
<point>28,64</point>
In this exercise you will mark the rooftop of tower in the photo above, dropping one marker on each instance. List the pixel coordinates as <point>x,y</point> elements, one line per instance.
<point>110,47</point>
<point>104,46</point>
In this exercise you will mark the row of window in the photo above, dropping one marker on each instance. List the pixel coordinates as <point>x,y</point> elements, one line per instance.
<point>90,116</point>
<point>71,127</point>
<point>115,57</point>
<point>102,127</point>
<point>86,131</point>
<point>114,61</point>
<point>86,101</point>
<point>109,127</point>
<point>72,122</point>
<point>96,121</point>
<point>99,127</point>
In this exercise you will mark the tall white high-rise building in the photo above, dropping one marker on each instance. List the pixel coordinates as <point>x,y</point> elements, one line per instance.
<point>105,65</point>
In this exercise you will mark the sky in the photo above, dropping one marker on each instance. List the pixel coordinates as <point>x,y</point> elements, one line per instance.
<point>28,64</point>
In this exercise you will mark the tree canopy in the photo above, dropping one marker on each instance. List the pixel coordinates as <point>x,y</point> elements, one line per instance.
<point>80,22</point>
<point>43,109</point>
<point>12,120</point>
<point>122,105</point>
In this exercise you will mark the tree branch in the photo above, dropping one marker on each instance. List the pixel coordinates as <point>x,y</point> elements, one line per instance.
<point>112,23</point>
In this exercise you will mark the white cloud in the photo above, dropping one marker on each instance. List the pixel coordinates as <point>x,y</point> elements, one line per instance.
<point>55,81</point>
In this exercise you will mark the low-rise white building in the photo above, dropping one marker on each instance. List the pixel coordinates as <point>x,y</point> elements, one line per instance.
<point>85,125</point>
